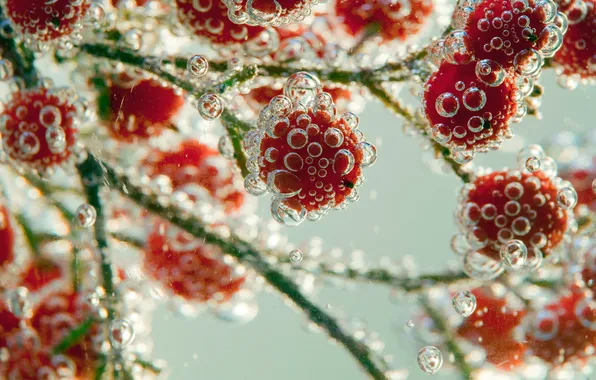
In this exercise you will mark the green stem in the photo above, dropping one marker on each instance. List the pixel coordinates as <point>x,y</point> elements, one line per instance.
<point>246,253</point>
<point>148,366</point>
<point>74,336</point>
<point>22,59</point>
<point>440,324</point>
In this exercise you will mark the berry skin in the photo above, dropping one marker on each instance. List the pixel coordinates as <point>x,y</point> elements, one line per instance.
<point>464,112</point>
<point>187,267</point>
<point>138,3</point>
<point>506,205</point>
<point>492,326</point>
<point>53,319</point>
<point>514,33</point>
<point>562,331</point>
<point>39,273</point>
<point>394,20</point>
<point>288,11</point>
<point>39,128</point>
<point>139,108</point>
<point>577,56</point>
<point>210,20</point>
<point>8,323</point>
<point>588,271</point>
<point>582,179</point>
<point>310,160</point>
<point>43,21</point>
<point>193,163</point>
<point>7,238</point>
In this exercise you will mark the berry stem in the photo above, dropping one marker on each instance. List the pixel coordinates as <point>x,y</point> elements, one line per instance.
<point>146,365</point>
<point>440,324</point>
<point>235,135</point>
<point>22,59</point>
<point>246,253</point>
<point>246,74</point>
<point>74,336</point>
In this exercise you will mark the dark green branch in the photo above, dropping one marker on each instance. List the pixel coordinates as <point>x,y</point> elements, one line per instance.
<point>74,336</point>
<point>22,59</point>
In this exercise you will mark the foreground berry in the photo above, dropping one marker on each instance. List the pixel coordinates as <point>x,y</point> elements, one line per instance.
<point>42,20</point>
<point>576,60</point>
<point>187,267</point>
<point>393,20</point>
<point>492,326</point>
<point>308,158</point>
<point>564,330</point>
<point>513,33</point>
<point>7,238</point>
<point>58,314</point>
<point>139,108</point>
<point>266,12</point>
<point>39,128</point>
<point>210,20</point>
<point>469,106</point>
<point>518,210</point>
<point>193,165</point>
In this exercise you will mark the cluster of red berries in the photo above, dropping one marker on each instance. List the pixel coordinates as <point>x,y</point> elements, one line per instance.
<point>508,215</point>
<point>306,155</point>
<point>485,71</point>
<point>188,267</point>
<point>201,172</point>
<point>576,60</point>
<point>137,108</point>
<point>39,128</point>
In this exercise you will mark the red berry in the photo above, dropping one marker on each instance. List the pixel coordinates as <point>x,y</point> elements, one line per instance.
<point>188,267</point>
<point>583,178</point>
<point>39,128</point>
<point>508,205</point>
<point>139,3</point>
<point>7,238</point>
<point>42,20</point>
<point>193,163</point>
<point>8,323</point>
<point>58,314</point>
<point>577,56</point>
<point>492,326</point>
<point>310,159</point>
<point>209,19</point>
<point>39,273</point>
<point>266,12</point>
<point>588,271</point>
<point>394,20</point>
<point>563,330</point>
<point>469,110</point>
<point>140,108</point>
<point>514,33</point>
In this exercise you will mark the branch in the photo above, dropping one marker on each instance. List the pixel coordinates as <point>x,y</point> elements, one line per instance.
<point>452,346</point>
<point>245,253</point>
<point>74,336</point>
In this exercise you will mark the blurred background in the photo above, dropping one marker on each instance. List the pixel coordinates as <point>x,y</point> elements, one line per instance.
<point>404,210</point>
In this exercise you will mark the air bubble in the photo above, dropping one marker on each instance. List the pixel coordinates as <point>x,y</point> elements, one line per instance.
<point>514,254</point>
<point>430,359</point>
<point>6,70</point>
<point>121,333</point>
<point>56,139</point>
<point>528,62</point>
<point>567,198</point>
<point>86,215</point>
<point>28,144</point>
<point>447,104</point>
<point>333,137</point>
<point>533,164</point>
<point>254,186</point>
<point>288,212</point>
<point>456,48</point>
<point>343,162</point>
<point>464,303</point>
<point>296,256</point>
<point>297,138</point>
<point>210,106</point>
<point>18,303</point>
<point>474,99</point>
<point>197,66</point>
<point>302,87</point>
<point>366,153</point>
<point>490,72</point>
<point>284,183</point>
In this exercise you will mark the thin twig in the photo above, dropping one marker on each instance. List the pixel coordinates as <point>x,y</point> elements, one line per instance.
<point>246,253</point>
<point>74,336</point>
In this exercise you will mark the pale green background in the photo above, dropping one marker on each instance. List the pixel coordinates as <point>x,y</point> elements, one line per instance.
<point>411,215</point>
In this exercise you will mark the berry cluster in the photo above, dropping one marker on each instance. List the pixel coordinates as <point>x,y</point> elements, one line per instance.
<point>486,66</point>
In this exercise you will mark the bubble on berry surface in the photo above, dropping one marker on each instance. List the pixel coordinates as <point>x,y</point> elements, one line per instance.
<point>225,147</point>
<point>480,267</point>
<point>528,62</point>
<point>197,66</point>
<point>567,198</point>
<point>367,153</point>
<point>456,48</point>
<point>447,104</point>
<point>302,87</point>
<point>464,303</point>
<point>56,139</point>
<point>121,333</point>
<point>552,39</point>
<point>474,99</point>
<point>585,311</point>
<point>351,119</point>
<point>284,183</point>
<point>545,325</point>
<point>287,211</point>
<point>86,215</point>
<point>210,106</point>
<point>429,359</point>
<point>534,152</point>
<point>490,72</point>
<point>533,164</point>
<point>18,302</point>
<point>296,255</point>
<point>514,254</point>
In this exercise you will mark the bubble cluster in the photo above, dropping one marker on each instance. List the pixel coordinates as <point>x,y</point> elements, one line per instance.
<point>515,215</point>
<point>269,12</point>
<point>39,128</point>
<point>306,155</point>
<point>430,359</point>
